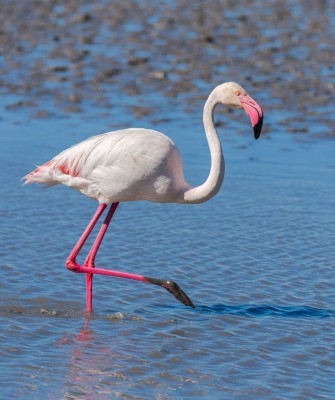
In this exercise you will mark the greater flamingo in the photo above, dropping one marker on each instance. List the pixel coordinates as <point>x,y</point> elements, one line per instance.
<point>139,164</point>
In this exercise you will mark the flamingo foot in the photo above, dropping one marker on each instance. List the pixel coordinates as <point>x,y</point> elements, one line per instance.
<point>170,286</point>
<point>173,288</point>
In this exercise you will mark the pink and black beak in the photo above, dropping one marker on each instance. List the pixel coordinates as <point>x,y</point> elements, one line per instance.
<point>255,112</point>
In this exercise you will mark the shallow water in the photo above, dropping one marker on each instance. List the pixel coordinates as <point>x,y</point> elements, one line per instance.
<point>257,260</point>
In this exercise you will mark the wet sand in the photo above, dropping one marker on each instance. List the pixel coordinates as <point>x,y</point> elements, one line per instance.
<point>59,56</point>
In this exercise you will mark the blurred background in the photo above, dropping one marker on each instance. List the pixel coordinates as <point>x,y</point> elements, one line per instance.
<point>61,57</point>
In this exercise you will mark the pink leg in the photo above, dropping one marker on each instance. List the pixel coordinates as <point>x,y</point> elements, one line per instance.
<point>89,268</point>
<point>71,261</point>
<point>89,262</point>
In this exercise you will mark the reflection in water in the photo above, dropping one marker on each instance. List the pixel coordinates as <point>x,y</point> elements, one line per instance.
<point>96,370</point>
<point>90,362</point>
<point>121,358</point>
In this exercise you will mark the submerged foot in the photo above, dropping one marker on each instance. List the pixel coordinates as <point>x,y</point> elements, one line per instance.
<point>173,288</point>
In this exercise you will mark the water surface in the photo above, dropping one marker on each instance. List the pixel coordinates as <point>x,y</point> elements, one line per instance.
<point>257,260</point>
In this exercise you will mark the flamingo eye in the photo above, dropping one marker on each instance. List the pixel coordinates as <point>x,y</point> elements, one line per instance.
<point>237,92</point>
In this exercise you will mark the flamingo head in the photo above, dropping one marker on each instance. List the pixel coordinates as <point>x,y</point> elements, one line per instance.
<point>233,95</point>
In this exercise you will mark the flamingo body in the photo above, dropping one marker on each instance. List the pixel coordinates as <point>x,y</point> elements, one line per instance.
<point>125,165</point>
<point>139,164</point>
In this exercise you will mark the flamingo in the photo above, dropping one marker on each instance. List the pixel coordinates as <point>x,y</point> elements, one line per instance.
<point>139,164</point>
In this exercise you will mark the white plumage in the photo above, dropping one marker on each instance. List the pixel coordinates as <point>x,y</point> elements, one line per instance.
<point>143,164</point>
<point>125,165</point>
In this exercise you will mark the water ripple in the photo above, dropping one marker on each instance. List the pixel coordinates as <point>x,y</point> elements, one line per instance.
<point>264,311</point>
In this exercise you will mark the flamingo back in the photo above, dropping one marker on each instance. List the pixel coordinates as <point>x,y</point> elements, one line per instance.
<point>125,165</point>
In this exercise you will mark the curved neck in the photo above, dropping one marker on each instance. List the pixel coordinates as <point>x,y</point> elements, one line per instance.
<point>214,181</point>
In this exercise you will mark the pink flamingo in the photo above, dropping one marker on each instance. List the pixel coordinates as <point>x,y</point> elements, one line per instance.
<point>139,164</point>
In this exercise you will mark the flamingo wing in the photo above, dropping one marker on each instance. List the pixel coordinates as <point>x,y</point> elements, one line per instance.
<point>125,165</point>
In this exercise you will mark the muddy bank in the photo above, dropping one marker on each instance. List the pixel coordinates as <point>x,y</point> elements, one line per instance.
<point>57,57</point>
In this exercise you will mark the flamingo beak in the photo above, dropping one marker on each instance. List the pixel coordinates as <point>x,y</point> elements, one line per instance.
<point>255,112</point>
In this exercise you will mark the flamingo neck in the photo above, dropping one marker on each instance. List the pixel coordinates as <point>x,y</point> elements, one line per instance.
<point>211,186</point>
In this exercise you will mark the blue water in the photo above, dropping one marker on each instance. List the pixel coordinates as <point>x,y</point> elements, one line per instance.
<point>257,260</point>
